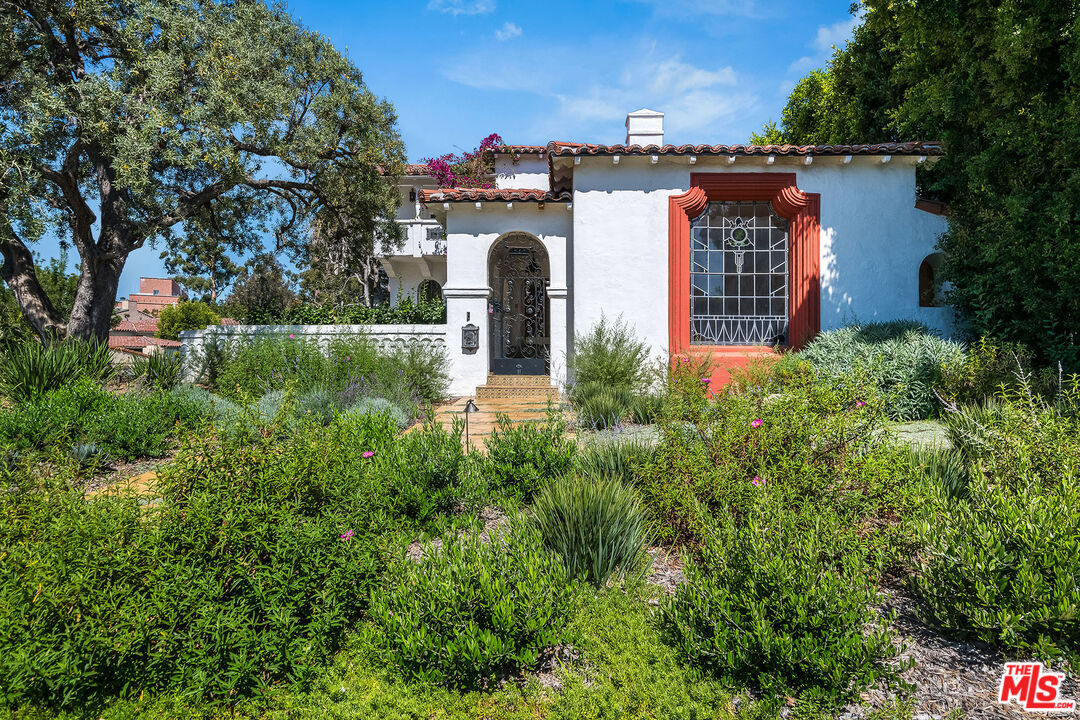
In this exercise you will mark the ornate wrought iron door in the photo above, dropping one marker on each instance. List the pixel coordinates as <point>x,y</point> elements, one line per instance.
<point>518,310</point>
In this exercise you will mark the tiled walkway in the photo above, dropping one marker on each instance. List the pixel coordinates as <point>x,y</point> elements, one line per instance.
<point>519,410</point>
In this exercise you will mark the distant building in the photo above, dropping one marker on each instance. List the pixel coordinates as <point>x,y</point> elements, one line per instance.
<point>154,294</point>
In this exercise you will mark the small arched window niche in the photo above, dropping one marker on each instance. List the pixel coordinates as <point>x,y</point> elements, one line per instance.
<point>930,290</point>
<point>429,290</point>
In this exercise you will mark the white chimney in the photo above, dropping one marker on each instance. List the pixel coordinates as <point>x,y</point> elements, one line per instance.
<point>645,127</point>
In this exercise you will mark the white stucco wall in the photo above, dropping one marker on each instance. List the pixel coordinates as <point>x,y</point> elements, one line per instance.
<point>872,242</point>
<point>470,236</point>
<point>529,171</point>
<point>411,274</point>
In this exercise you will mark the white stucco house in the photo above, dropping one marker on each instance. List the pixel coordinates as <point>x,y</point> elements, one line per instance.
<point>731,250</point>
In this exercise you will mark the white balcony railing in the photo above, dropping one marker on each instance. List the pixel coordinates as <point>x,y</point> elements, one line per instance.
<point>422,237</point>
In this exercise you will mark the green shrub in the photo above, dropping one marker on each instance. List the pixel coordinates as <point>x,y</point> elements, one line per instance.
<point>521,458</point>
<point>610,354</point>
<point>220,411</point>
<point>1003,565</point>
<point>903,359</point>
<point>474,608</point>
<point>29,370</point>
<point>422,470</point>
<point>255,560</point>
<point>161,370</point>
<point>381,406</point>
<point>185,316</point>
<point>815,445</point>
<point>595,524</point>
<point>351,368</point>
<point>127,427</point>
<point>777,603</point>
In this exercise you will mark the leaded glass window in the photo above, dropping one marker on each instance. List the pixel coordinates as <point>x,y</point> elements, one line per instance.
<point>739,275</point>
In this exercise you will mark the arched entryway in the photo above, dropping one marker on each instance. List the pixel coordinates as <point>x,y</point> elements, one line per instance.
<point>519,271</point>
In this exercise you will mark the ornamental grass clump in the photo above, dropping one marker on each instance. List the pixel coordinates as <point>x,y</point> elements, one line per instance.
<point>29,369</point>
<point>595,524</point>
<point>473,609</point>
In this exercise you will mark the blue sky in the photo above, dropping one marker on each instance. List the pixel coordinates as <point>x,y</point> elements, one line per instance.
<point>458,70</point>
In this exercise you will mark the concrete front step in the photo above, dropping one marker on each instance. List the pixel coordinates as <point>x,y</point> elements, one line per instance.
<point>517,386</point>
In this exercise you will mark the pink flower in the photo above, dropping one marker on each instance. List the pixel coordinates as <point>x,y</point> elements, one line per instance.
<point>367,453</point>
<point>757,480</point>
<point>860,404</point>
<point>684,360</point>
<point>291,336</point>
<point>706,380</point>
<point>757,422</point>
<point>347,535</point>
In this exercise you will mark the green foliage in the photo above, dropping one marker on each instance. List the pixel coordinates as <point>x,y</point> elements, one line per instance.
<point>29,369</point>
<point>350,369</point>
<point>244,576</point>
<point>595,524</point>
<point>815,445</point>
<point>380,406</point>
<point>473,608</point>
<point>161,369</point>
<point>407,311</point>
<point>997,84</point>
<point>613,457</point>
<point>185,316</point>
<point>987,368</point>
<point>902,359</point>
<point>777,602</point>
<point>1003,564</point>
<point>522,458</point>
<point>945,467</point>
<point>610,354</point>
<point>128,426</point>
<point>262,293</point>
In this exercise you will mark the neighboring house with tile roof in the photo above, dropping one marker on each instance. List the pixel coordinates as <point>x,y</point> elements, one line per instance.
<point>730,250</point>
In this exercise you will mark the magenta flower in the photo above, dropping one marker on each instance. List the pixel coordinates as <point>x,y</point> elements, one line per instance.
<point>757,480</point>
<point>684,360</point>
<point>706,380</point>
<point>367,453</point>
<point>347,535</point>
<point>860,404</point>
<point>291,336</point>
<point>757,422</point>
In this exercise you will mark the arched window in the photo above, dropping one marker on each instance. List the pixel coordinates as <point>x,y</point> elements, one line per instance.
<point>429,290</point>
<point>930,294</point>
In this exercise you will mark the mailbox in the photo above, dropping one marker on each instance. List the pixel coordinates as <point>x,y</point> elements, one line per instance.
<point>470,339</point>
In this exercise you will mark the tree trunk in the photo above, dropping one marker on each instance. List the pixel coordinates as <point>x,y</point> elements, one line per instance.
<point>95,298</point>
<point>19,274</point>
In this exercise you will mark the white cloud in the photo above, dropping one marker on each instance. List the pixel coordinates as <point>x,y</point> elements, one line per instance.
<point>462,7</point>
<point>827,37</point>
<point>700,103</point>
<point>508,31</point>
<point>836,34</point>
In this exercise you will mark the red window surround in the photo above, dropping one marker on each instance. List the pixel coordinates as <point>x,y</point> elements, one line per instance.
<point>803,212</point>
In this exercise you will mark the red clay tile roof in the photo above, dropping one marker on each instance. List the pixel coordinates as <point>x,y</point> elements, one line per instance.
<point>119,342</point>
<point>559,149</point>
<point>142,326</point>
<point>486,195</point>
<point>521,149</point>
<point>229,321</point>
<point>417,170</point>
